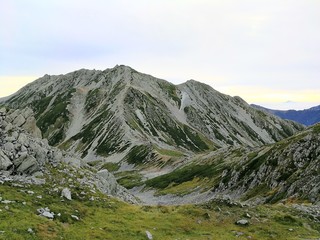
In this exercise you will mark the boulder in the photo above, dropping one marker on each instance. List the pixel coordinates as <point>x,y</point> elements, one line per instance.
<point>19,121</point>
<point>66,193</point>
<point>28,166</point>
<point>5,162</point>
<point>23,139</point>
<point>3,111</point>
<point>110,181</point>
<point>45,212</point>
<point>9,127</point>
<point>27,112</point>
<point>9,147</point>
<point>242,222</point>
<point>31,127</point>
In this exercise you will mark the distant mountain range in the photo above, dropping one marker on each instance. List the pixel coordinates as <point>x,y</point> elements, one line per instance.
<point>307,117</point>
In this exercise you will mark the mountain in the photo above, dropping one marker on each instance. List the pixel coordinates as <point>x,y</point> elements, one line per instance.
<point>307,117</point>
<point>121,114</point>
<point>72,145</point>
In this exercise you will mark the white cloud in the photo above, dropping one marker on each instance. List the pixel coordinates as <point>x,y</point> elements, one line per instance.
<point>253,43</point>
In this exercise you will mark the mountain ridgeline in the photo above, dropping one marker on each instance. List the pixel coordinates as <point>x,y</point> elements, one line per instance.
<point>307,117</point>
<point>121,112</point>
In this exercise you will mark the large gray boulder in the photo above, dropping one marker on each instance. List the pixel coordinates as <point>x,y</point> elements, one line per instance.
<point>19,121</point>
<point>3,111</point>
<point>28,166</point>
<point>31,127</point>
<point>5,162</point>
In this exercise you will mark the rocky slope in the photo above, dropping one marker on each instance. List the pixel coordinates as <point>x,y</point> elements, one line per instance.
<point>307,117</point>
<point>121,114</point>
<point>289,169</point>
<point>26,158</point>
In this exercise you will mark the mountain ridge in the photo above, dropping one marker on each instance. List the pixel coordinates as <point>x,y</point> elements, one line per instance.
<point>307,117</point>
<point>84,97</point>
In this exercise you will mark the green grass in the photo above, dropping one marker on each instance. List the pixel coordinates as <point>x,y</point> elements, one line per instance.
<point>108,218</point>
<point>111,167</point>
<point>316,129</point>
<point>138,154</point>
<point>168,152</point>
<point>182,175</point>
<point>129,179</point>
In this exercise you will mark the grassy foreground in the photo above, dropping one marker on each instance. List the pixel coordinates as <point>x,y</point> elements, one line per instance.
<point>107,218</point>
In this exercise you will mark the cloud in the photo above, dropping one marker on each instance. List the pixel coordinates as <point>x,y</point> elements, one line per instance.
<point>252,43</point>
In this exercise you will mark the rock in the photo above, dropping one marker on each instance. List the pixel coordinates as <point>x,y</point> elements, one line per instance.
<point>27,112</point>
<point>7,201</point>
<point>75,217</point>
<point>110,181</point>
<point>66,193</point>
<point>23,149</point>
<point>28,166</point>
<point>19,121</point>
<point>9,147</point>
<point>3,111</point>
<point>12,114</point>
<point>45,212</point>
<point>149,235</point>
<point>5,162</point>
<point>31,127</point>
<point>9,127</point>
<point>242,222</point>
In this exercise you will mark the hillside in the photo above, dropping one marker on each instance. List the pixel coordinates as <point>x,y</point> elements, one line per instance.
<point>285,170</point>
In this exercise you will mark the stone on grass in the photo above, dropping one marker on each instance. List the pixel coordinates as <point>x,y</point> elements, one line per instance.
<point>149,235</point>
<point>75,217</point>
<point>242,222</point>
<point>66,193</point>
<point>45,212</point>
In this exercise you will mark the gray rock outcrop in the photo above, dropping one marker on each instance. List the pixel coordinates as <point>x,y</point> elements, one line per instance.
<point>24,156</point>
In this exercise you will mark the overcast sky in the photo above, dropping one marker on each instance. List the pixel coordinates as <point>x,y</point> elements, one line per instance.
<point>267,52</point>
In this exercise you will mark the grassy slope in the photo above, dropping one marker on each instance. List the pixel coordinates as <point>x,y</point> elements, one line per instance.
<point>108,218</point>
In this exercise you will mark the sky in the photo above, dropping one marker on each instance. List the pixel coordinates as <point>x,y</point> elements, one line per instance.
<point>266,51</point>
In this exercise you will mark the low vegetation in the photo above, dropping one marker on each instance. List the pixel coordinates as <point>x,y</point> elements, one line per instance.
<point>107,218</point>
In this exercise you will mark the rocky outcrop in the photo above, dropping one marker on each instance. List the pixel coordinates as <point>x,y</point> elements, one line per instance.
<point>22,151</point>
<point>24,156</point>
<point>288,169</point>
